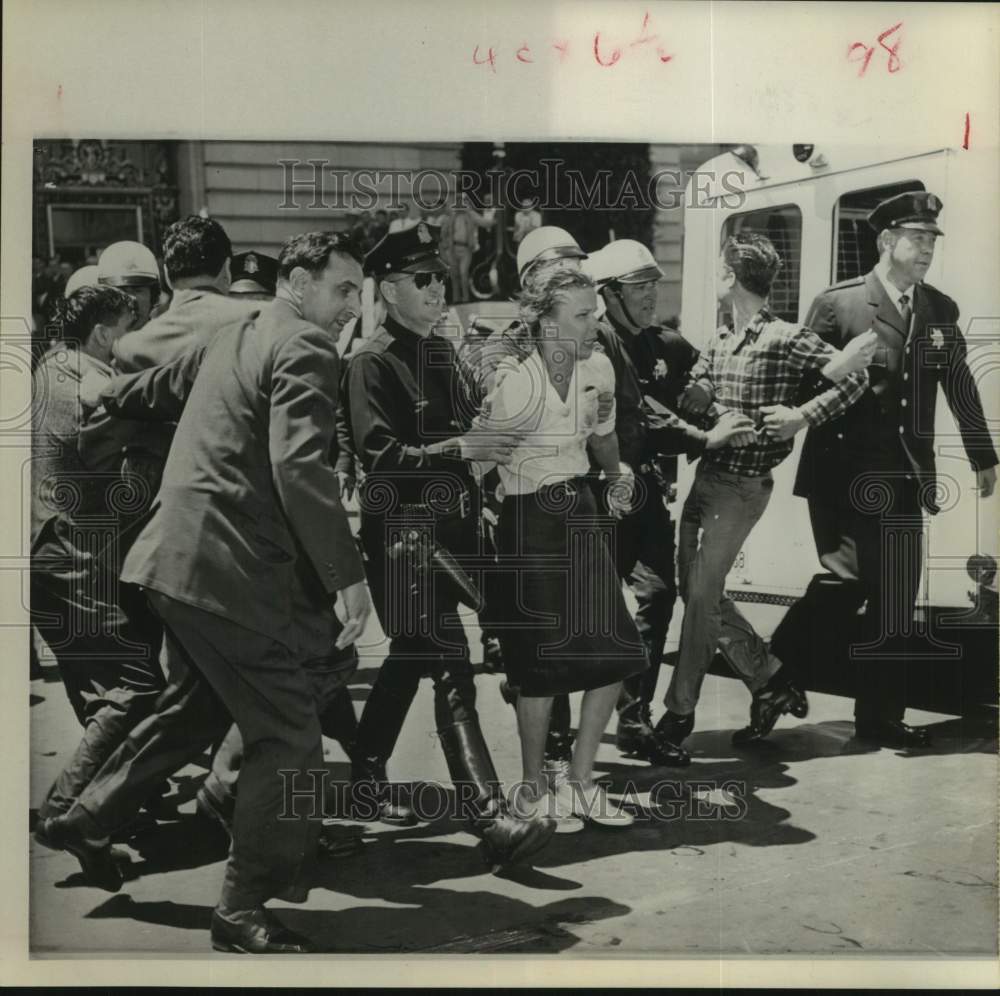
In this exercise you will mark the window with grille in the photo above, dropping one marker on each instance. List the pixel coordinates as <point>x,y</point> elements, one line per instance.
<point>855,251</point>
<point>783,226</point>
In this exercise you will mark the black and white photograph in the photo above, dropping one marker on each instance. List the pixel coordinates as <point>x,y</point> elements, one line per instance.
<point>561,542</point>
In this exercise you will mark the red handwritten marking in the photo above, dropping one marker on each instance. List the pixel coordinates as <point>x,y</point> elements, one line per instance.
<point>642,39</point>
<point>894,64</point>
<point>965,141</point>
<point>609,56</point>
<point>491,59</point>
<point>869,52</point>
<point>615,55</point>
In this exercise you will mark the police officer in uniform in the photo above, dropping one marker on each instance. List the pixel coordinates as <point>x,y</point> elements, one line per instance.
<point>873,469</point>
<point>254,276</point>
<point>651,365</point>
<point>131,267</point>
<point>414,438</point>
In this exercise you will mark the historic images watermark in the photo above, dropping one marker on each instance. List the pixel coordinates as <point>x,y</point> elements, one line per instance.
<point>318,185</point>
<point>313,794</point>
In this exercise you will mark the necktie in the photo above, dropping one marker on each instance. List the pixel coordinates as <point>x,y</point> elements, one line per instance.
<point>904,309</point>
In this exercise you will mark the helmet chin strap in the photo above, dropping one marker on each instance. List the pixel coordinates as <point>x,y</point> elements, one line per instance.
<point>615,289</point>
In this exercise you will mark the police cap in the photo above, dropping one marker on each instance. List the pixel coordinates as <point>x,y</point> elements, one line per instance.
<point>412,251</point>
<point>915,209</point>
<point>254,273</point>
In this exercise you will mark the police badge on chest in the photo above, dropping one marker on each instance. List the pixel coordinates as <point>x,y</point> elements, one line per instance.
<point>934,350</point>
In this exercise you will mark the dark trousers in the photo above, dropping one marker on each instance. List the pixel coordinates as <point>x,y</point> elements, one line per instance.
<point>336,721</point>
<point>645,551</point>
<point>426,639</point>
<point>261,684</point>
<point>220,673</point>
<point>872,549</point>
<point>187,719</point>
<point>107,656</point>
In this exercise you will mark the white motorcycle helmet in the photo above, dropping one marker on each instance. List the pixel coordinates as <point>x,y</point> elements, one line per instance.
<point>128,264</point>
<point>86,276</point>
<point>624,261</point>
<point>543,244</point>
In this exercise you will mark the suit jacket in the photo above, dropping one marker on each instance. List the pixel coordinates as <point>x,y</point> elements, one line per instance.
<point>193,318</point>
<point>891,428</point>
<point>249,511</point>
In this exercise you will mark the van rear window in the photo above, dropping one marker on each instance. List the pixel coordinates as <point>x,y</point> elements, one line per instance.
<point>855,251</point>
<point>783,226</point>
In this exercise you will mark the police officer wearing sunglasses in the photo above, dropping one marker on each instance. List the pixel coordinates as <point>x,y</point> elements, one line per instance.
<point>416,440</point>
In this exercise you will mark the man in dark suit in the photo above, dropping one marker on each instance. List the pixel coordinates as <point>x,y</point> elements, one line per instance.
<point>869,474</point>
<point>246,553</point>
<point>197,257</point>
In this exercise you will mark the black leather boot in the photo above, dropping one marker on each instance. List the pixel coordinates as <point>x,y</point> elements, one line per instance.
<point>506,838</point>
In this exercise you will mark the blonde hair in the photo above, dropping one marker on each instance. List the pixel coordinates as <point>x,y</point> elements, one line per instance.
<point>540,297</point>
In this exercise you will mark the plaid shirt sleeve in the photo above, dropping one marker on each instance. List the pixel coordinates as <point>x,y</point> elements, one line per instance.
<point>808,352</point>
<point>701,372</point>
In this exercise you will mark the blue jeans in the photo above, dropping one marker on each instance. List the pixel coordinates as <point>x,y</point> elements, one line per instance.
<point>721,510</point>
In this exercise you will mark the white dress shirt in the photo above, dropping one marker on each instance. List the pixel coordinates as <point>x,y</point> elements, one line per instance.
<point>882,272</point>
<point>555,447</point>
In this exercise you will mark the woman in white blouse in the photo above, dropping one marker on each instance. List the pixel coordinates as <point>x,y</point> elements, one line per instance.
<point>567,627</point>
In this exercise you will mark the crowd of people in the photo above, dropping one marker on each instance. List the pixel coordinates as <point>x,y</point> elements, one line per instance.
<point>460,230</point>
<point>197,581</point>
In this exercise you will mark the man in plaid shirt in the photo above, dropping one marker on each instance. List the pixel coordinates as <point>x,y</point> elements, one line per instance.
<point>756,367</point>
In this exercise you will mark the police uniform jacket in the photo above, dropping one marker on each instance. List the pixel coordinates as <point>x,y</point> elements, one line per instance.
<point>404,400</point>
<point>654,362</point>
<point>891,428</point>
<point>248,522</point>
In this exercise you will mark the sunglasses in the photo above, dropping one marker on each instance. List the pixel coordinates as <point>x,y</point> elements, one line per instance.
<point>422,280</point>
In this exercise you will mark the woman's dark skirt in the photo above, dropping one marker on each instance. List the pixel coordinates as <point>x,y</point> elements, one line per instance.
<point>565,626</point>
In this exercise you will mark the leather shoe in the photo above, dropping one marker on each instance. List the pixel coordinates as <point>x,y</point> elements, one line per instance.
<point>100,863</point>
<point>338,842</point>
<point>653,748</point>
<point>256,931</point>
<point>668,734</point>
<point>893,733</point>
<point>674,727</point>
<point>507,839</point>
<point>371,795</point>
<point>767,707</point>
